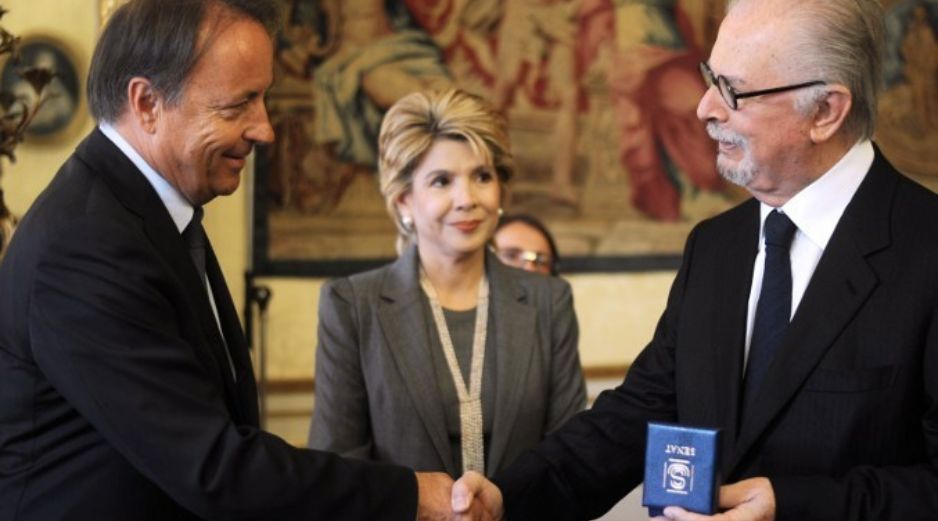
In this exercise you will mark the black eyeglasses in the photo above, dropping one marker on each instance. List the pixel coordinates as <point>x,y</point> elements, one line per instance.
<point>731,95</point>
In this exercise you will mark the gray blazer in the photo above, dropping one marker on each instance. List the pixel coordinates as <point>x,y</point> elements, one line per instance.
<point>376,394</point>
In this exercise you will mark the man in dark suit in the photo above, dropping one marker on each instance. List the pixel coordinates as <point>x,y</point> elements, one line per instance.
<point>126,390</point>
<point>831,411</point>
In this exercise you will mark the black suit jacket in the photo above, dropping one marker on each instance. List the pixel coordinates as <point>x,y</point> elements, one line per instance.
<point>117,400</point>
<point>846,423</point>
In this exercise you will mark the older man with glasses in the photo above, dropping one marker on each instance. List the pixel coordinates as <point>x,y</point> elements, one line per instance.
<point>803,323</point>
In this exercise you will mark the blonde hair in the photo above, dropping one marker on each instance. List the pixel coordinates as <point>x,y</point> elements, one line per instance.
<point>416,121</point>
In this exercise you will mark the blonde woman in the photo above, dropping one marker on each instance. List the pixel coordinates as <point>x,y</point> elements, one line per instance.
<point>444,360</point>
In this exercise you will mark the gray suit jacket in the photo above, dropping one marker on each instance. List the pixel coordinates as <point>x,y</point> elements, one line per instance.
<point>376,393</point>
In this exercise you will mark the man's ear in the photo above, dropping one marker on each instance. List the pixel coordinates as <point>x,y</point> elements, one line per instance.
<point>144,104</point>
<point>831,112</point>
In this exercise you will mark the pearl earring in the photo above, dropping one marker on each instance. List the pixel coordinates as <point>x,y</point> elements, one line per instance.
<point>501,212</point>
<point>408,222</point>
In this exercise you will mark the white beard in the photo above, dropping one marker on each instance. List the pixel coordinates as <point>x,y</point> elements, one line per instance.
<point>745,171</point>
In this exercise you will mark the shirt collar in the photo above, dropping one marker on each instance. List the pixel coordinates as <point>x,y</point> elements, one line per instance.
<point>178,207</point>
<point>817,208</point>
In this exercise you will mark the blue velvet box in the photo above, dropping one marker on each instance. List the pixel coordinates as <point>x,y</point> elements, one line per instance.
<point>681,468</point>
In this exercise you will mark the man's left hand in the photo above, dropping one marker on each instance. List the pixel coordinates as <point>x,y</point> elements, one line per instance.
<point>748,500</point>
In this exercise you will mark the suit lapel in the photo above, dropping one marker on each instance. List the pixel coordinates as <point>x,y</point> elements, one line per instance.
<point>138,197</point>
<point>842,282</point>
<point>515,341</point>
<point>731,283</point>
<point>405,330</point>
<point>244,390</point>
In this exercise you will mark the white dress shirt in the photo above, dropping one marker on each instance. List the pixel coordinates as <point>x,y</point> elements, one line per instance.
<point>815,210</point>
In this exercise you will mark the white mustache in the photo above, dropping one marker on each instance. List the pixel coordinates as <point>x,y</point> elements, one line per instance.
<point>721,134</point>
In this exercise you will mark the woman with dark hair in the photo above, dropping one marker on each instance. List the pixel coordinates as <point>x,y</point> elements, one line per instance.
<point>522,241</point>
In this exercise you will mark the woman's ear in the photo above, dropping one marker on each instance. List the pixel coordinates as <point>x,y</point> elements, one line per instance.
<point>505,194</point>
<point>402,204</point>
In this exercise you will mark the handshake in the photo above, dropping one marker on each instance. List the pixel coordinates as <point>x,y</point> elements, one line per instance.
<point>474,498</point>
<point>470,498</point>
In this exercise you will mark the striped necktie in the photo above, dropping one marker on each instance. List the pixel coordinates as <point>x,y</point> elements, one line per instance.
<point>773,312</point>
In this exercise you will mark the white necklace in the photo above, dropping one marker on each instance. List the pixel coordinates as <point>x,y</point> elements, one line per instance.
<point>470,397</point>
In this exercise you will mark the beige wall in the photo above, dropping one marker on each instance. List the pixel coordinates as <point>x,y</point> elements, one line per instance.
<point>617,312</point>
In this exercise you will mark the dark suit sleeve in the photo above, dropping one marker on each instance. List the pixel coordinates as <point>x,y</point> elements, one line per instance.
<point>581,470</point>
<point>870,493</point>
<point>104,319</point>
<point>340,417</point>
<point>567,388</point>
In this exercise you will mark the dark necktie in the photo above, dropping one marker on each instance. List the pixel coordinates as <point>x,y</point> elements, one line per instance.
<point>773,312</point>
<point>194,236</point>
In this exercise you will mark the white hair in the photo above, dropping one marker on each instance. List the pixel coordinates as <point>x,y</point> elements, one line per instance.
<point>841,41</point>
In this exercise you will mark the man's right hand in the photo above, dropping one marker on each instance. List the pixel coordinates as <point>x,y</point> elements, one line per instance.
<point>434,496</point>
<point>472,489</point>
<point>432,491</point>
